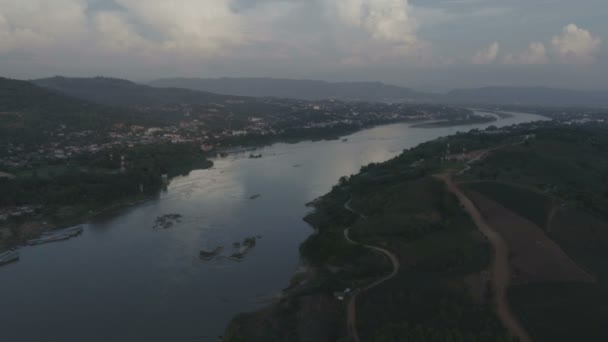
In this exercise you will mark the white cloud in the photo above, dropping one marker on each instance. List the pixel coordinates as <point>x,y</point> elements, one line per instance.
<point>188,27</point>
<point>39,24</point>
<point>374,29</point>
<point>535,54</point>
<point>364,30</point>
<point>487,55</point>
<point>576,45</point>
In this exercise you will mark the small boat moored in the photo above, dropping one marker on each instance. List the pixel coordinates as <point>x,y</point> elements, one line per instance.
<point>58,235</point>
<point>8,257</point>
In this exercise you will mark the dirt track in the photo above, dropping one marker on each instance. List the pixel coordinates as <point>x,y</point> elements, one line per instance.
<point>500,269</point>
<point>352,304</point>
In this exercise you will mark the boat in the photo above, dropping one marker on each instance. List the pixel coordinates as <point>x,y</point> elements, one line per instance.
<point>8,257</point>
<point>57,235</point>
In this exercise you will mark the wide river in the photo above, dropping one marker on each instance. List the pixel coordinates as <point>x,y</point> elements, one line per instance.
<point>124,280</point>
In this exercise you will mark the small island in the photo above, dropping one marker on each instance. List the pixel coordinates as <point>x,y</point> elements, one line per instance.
<point>167,221</point>
<point>208,256</point>
<point>470,120</point>
<point>247,246</point>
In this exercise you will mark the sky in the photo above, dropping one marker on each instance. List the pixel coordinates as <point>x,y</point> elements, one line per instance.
<point>424,44</point>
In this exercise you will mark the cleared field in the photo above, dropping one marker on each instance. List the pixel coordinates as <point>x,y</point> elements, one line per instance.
<point>526,203</point>
<point>562,312</point>
<point>534,256</point>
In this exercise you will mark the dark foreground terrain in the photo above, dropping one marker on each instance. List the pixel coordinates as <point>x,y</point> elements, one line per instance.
<point>540,189</point>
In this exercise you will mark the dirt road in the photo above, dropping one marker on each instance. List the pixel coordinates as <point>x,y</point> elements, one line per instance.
<point>500,269</point>
<point>352,304</point>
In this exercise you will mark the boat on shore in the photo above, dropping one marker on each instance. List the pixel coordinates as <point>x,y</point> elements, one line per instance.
<point>8,257</point>
<point>54,236</point>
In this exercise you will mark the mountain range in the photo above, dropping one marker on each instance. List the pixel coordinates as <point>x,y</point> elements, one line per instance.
<point>119,92</point>
<point>376,91</point>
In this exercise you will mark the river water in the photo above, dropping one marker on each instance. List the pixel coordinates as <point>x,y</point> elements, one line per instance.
<point>124,280</point>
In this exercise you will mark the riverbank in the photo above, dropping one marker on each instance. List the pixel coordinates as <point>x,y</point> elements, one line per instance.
<point>16,231</point>
<point>409,214</point>
<point>454,123</point>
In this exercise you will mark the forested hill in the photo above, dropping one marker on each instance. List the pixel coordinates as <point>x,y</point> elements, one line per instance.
<point>380,92</point>
<point>118,92</point>
<point>21,96</point>
<point>298,89</point>
<point>27,111</point>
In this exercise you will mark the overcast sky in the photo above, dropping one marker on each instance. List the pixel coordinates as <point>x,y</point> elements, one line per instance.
<point>431,44</point>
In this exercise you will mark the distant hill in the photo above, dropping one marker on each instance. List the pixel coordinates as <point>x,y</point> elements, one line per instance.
<point>118,92</point>
<point>27,111</point>
<point>198,91</point>
<point>376,91</point>
<point>297,89</point>
<point>527,96</point>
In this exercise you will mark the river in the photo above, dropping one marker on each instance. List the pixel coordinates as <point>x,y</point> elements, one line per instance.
<point>123,280</point>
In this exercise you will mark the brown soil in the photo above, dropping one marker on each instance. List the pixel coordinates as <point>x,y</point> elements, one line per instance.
<point>500,271</point>
<point>533,255</point>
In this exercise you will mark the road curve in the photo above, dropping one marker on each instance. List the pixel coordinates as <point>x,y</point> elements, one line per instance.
<point>500,268</point>
<point>352,303</point>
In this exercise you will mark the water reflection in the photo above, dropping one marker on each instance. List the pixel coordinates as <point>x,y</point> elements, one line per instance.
<point>122,280</point>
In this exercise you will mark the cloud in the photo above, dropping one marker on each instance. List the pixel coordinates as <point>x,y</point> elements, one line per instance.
<point>369,31</point>
<point>487,55</point>
<point>576,45</point>
<point>535,54</point>
<point>40,24</point>
<point>384,20</point>
<point>201,30</point>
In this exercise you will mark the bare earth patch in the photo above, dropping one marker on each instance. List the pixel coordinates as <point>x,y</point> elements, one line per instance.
<point>534,256</point>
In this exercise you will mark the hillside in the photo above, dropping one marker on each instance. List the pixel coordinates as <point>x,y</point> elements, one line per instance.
<point>118,92</point>
<point>376,91</point>
<point>298,89</point>
<point>27,111</point>
<point>531,190</point>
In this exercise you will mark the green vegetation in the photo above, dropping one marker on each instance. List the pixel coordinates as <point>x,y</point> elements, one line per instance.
<point>97,180</point>
<point>562,312</point>
<point>471,120</point>
<point>438,246</point>
<point>570,163</point>
<point>67,193</point>
<point>566,166</point>
<point>440,293</point>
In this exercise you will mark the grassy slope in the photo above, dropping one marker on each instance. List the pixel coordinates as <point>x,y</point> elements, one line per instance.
<point>439,245</point>
<point>570,164</point>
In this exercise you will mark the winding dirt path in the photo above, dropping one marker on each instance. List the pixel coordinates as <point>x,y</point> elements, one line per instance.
<point>352,303</point>
<point>500,268</point>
